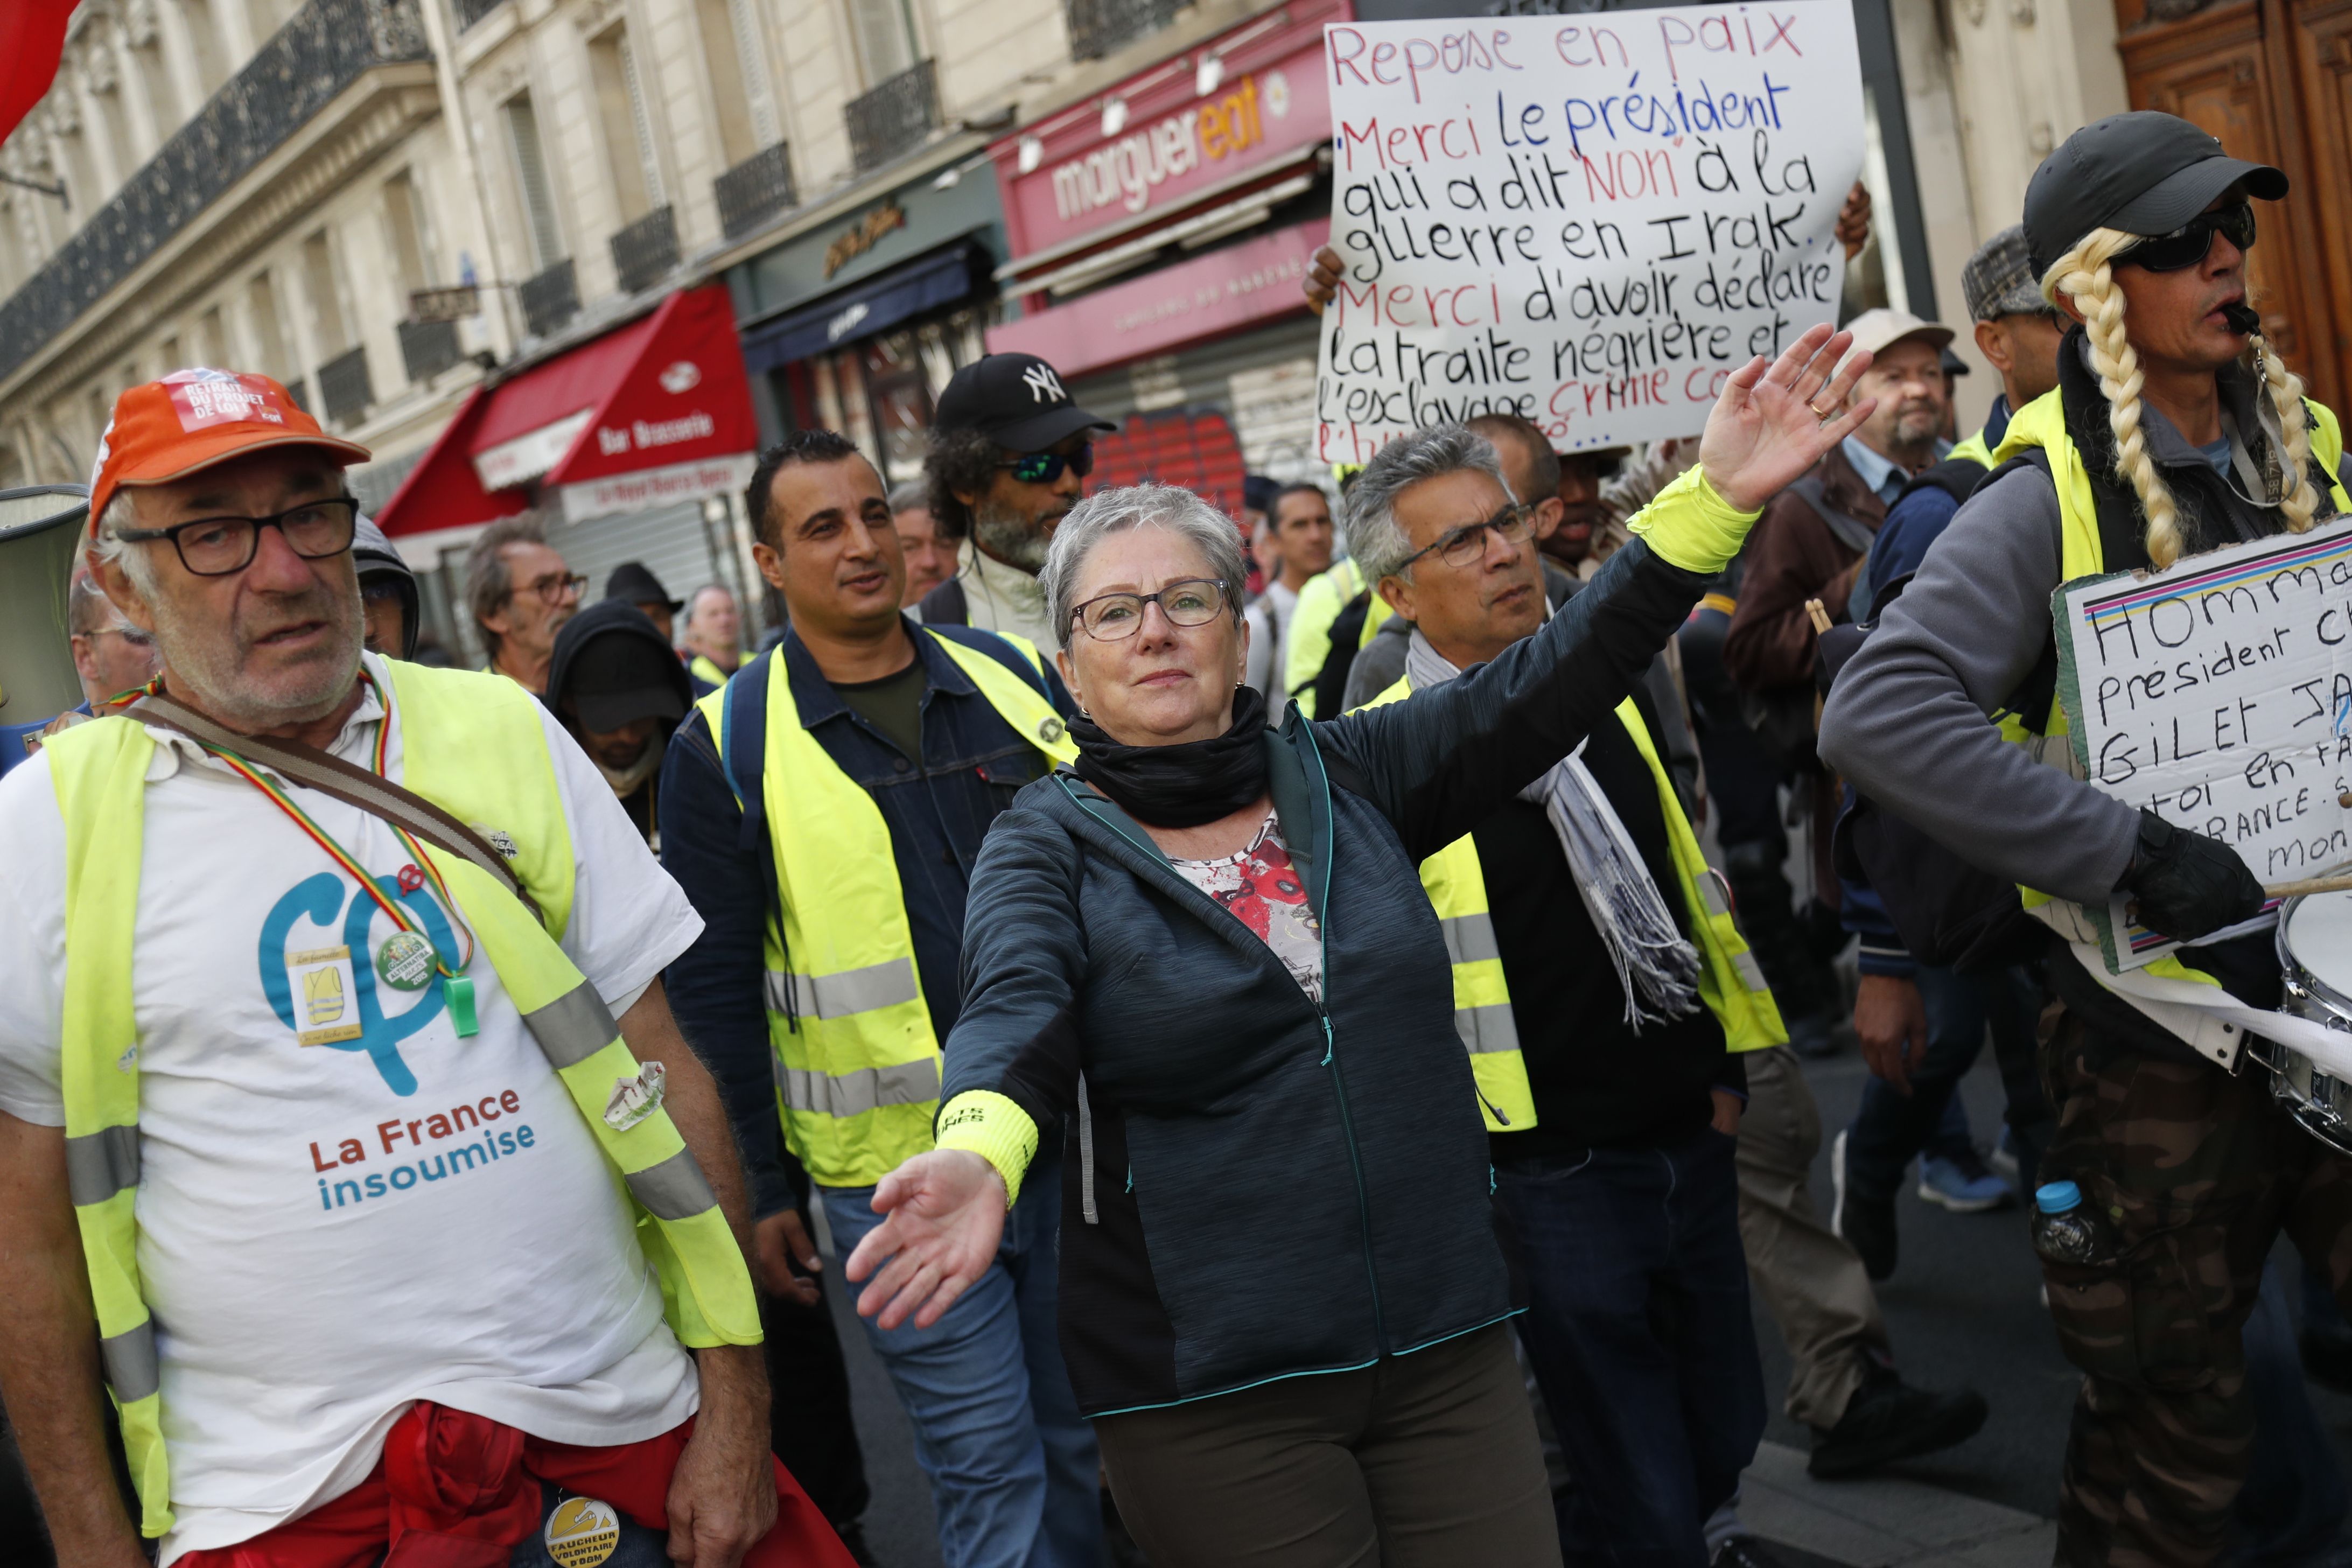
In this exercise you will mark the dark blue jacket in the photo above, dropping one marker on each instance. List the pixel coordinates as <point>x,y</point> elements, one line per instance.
<point>1280,1189</point>
<point>937,807</point>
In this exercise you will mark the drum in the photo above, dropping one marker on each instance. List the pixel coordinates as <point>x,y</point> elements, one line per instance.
<point>2314,953</point>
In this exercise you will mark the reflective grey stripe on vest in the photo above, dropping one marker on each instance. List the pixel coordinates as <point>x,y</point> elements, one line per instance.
<point>675,1189</point>
<point>101,1164</point>
<point>884,984</point>
<point>1087,1209</point>
<point>1487,1028</point>
<point>129,1358</point>
<point>855,1093</point>
<point>1718,902</point>
<point>1470,939</point>
<point>572,1027</point>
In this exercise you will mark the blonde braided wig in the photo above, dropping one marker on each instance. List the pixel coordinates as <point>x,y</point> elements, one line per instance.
<point>2085,274</point>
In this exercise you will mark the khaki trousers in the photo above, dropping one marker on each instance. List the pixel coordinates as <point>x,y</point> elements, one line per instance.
<point>1810,1279</point>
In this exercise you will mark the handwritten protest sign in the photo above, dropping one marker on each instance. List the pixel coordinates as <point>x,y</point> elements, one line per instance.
<point>1589,220</point>
<point>2219,695</point>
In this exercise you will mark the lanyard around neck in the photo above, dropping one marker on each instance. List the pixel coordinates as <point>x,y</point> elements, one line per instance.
<point>458,989</point>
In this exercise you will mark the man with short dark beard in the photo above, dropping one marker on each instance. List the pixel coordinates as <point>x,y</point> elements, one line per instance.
<point>1008,453</point>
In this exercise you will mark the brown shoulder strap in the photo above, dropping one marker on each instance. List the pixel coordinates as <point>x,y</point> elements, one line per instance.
<point>354,786</point>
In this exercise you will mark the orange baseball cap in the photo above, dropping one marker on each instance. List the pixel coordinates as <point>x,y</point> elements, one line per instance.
<point>190,420</point>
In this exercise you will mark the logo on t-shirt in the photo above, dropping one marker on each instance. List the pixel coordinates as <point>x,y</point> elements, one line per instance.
<point>326,992</point>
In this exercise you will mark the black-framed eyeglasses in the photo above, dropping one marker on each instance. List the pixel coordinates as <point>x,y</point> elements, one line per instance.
<point>1462,546</point>
<point>2187,246</point>
<point>1190,602</point>
<point>219,546</point>
<point>1044,467</point>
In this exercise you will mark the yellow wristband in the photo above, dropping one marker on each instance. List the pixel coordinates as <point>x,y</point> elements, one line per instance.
<point>1686,524</point>
<point>995,1127</point>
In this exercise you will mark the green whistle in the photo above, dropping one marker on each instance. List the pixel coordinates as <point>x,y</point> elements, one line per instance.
<point>458,990</point>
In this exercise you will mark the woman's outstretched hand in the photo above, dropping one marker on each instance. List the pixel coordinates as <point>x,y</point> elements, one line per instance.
<point>1772,423</point>
<point>946,1215</point>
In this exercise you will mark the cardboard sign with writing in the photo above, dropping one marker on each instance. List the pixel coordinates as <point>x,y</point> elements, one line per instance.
<point>1590,220</point>
<point>2217,695</point>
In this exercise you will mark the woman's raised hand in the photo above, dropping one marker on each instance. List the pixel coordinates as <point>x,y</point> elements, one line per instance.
<point>947,1215</point>
<point>1772,423</point>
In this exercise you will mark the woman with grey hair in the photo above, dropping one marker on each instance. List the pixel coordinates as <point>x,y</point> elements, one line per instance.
<point>1204,953</point>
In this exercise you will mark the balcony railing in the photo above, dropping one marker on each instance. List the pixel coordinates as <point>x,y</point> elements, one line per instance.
<point>1099,27</point>
<point>644,253</point>
<point>472,11</point>
<point>550,299</point>
<point>310,62</point>
<point>428,348</point>
<point>755,190</point>
<point>343,387</point>
<point>892,118</point>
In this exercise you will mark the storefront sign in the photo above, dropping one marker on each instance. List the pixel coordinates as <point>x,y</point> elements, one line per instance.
<point>650,487</point>
<point>1589,220</point>
<point>1209,295</point>
<point>863,235</point>
<point>1169,142</point>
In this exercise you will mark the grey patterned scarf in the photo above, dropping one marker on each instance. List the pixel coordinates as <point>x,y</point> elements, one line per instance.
<point>1656,968</point>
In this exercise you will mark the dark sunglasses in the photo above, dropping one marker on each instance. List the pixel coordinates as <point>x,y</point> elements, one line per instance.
<point>2187,246</point>
<point>219,546</point>
<point>1044,467</point>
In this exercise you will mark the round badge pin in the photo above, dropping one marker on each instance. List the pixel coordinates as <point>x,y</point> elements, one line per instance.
<point>581,1531</point>
<point>1049,729</point>
<point>405,961</point>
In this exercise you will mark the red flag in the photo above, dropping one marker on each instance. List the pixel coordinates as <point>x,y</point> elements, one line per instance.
<point>32,38</point>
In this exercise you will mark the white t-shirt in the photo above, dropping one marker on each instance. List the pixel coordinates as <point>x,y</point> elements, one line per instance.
<point>1269,618</point>
<point>386,1213</point>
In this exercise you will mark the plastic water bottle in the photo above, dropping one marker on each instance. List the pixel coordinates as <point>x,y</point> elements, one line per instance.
<point>2066,1232</point>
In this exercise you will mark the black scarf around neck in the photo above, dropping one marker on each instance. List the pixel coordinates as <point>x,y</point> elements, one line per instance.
<point>1181,785</point>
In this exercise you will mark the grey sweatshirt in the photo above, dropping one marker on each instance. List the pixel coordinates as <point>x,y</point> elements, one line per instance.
<point>1907,722</point>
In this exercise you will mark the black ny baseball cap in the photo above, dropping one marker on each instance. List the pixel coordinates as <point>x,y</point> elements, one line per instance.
<point>1015,400</point>
<point>2145,173</point>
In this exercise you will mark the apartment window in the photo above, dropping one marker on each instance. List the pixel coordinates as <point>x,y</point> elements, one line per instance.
<point>119,142</point>
<point>269,329</point>
<point>328,328</point>
<point>404,226</point>
<point>530,180</point>
<point>81,175</point>
<point>205,41</point>
<point>628,130</point>
<point>738,91</point>
<point>212,340</point>
<point>169,356</point>
<point>885,37</point>
<point>155,82</point>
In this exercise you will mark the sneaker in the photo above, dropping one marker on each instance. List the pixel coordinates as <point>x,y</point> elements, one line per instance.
<point>1962,1184</point>
<point>1887,1420</point>
<point>1745,1552</point>
<point>2003,1159</point>
<point>1866,1226</point>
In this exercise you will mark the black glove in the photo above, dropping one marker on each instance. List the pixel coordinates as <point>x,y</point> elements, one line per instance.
<point>2186,884</point>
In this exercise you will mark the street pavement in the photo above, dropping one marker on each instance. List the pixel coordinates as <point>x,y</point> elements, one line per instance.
<point>1963,1310</point>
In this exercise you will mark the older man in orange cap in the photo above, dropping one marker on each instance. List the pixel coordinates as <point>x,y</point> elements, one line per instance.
<point>343,1127</point>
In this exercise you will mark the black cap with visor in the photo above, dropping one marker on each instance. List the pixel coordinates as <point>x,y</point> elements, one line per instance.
<point>2145,173</point>
<point>1016,400</point>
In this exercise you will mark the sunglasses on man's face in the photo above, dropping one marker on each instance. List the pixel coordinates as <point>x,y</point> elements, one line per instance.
<point>1044,467</point>
<point>2187,246</point>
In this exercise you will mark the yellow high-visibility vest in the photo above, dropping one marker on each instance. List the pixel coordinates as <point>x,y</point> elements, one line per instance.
<point>857,1063</point>
<point>1731,982</point>
<point>472,745</point>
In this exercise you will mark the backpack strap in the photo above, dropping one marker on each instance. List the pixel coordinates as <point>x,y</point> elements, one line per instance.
<point>946,605</point>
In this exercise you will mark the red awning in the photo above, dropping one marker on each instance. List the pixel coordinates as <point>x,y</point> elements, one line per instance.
<point>667,389</point>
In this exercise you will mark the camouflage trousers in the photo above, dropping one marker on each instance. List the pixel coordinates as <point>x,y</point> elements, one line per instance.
<point>2197,1171</point>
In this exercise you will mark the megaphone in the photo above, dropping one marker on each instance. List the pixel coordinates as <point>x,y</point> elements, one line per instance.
<point>41,531</point>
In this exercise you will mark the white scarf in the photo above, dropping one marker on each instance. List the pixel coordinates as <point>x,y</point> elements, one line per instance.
<point>1656,967</point>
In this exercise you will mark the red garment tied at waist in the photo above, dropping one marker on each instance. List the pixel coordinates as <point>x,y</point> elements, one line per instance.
<point>455,1491</point>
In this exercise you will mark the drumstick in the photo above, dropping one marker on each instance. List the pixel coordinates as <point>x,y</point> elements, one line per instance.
<point>2342,884</point>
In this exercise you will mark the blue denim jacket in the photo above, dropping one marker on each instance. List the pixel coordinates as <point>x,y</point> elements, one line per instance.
<point>939,806</point>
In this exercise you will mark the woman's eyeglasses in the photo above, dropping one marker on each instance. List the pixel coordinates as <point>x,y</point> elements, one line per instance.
<point>1114,617</point>
<point>2187,246</point>
<point>1462,546</point>
<point>219,546</point>
<point>1044,467</point>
